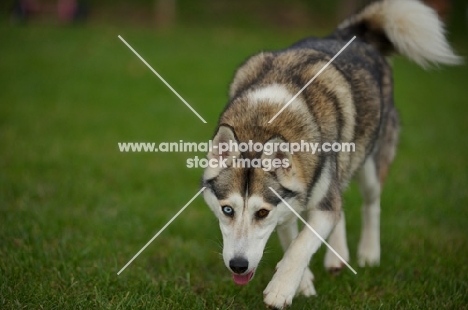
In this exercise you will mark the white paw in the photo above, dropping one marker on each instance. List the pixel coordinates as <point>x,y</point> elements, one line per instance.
<point>280,292</point>
<point>334,264</point>
<point>306,287</point>
<point>369,253</point>
<point>277,295</point>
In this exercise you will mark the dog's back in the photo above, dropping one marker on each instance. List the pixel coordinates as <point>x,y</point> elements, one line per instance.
<point>352,100</point>
<point>344,102</point>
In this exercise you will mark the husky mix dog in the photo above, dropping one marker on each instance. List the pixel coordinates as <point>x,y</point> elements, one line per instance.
<point>350,101</point>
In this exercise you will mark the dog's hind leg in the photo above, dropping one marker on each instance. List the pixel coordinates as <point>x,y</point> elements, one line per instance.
<point>369,244</point>
<point>337,241</point>
<point>287,233</point>
<point>371,178</point>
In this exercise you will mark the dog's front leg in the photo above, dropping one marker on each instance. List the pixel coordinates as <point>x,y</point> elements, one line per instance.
<point>282,288</point>
<point>287,233</point>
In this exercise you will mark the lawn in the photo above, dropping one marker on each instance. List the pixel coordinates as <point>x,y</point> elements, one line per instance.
<point>74,210</point>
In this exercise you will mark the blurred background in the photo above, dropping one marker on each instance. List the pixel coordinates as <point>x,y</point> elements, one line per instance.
<point>242,13</point>
<point>74,210</point>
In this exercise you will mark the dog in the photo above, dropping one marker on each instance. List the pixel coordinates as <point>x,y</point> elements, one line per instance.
<point>351,101</point>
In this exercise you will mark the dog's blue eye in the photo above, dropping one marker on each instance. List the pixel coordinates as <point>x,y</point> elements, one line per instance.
<point>227,210</point>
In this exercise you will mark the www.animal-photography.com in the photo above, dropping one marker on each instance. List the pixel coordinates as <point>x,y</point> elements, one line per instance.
<point>176,154</point>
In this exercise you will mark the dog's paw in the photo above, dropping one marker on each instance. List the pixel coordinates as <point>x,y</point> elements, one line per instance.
<point>369,253</point>
<point>278,294</point>
<point>332,263</point>
<point>306,287</point>
<point>278,265</point>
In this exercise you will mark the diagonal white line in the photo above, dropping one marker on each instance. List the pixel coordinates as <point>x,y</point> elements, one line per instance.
<point>161,230</point>
<point>311,80</point>
<point>163,80</point>
<point>313,230</point>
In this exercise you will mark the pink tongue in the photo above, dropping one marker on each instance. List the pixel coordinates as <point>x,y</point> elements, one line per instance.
<point>242,279</point>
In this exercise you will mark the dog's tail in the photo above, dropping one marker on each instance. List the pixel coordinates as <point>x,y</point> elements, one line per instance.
<point>407,27</point>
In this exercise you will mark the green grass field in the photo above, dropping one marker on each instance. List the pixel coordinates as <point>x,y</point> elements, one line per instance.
<point>74,210</point>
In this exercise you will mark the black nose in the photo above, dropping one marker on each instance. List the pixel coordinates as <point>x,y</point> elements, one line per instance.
<point>238,265</point>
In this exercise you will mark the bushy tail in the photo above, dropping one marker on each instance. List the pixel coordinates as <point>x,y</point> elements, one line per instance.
<point>407,27</point>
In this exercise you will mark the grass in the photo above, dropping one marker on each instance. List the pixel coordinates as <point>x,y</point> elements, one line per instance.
<point>73,210</point>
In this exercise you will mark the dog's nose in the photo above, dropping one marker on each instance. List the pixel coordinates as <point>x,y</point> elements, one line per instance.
<point>238,264</point>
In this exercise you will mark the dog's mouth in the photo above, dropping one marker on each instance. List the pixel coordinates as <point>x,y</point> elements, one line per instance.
<point>243,279</point>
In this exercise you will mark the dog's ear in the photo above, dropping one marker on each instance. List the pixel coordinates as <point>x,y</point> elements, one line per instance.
<point>277,159</point>
<point>224,149</point>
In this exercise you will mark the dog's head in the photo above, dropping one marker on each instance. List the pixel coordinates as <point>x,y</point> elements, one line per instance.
<point>241,198</point>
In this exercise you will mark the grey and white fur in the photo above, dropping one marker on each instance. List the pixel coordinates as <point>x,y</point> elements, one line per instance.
<point>350,101</point>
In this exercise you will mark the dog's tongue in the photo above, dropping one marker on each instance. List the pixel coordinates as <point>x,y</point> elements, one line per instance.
<point>242,279</point>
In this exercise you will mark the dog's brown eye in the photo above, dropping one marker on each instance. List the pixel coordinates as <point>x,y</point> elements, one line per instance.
<point>262,213</point>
